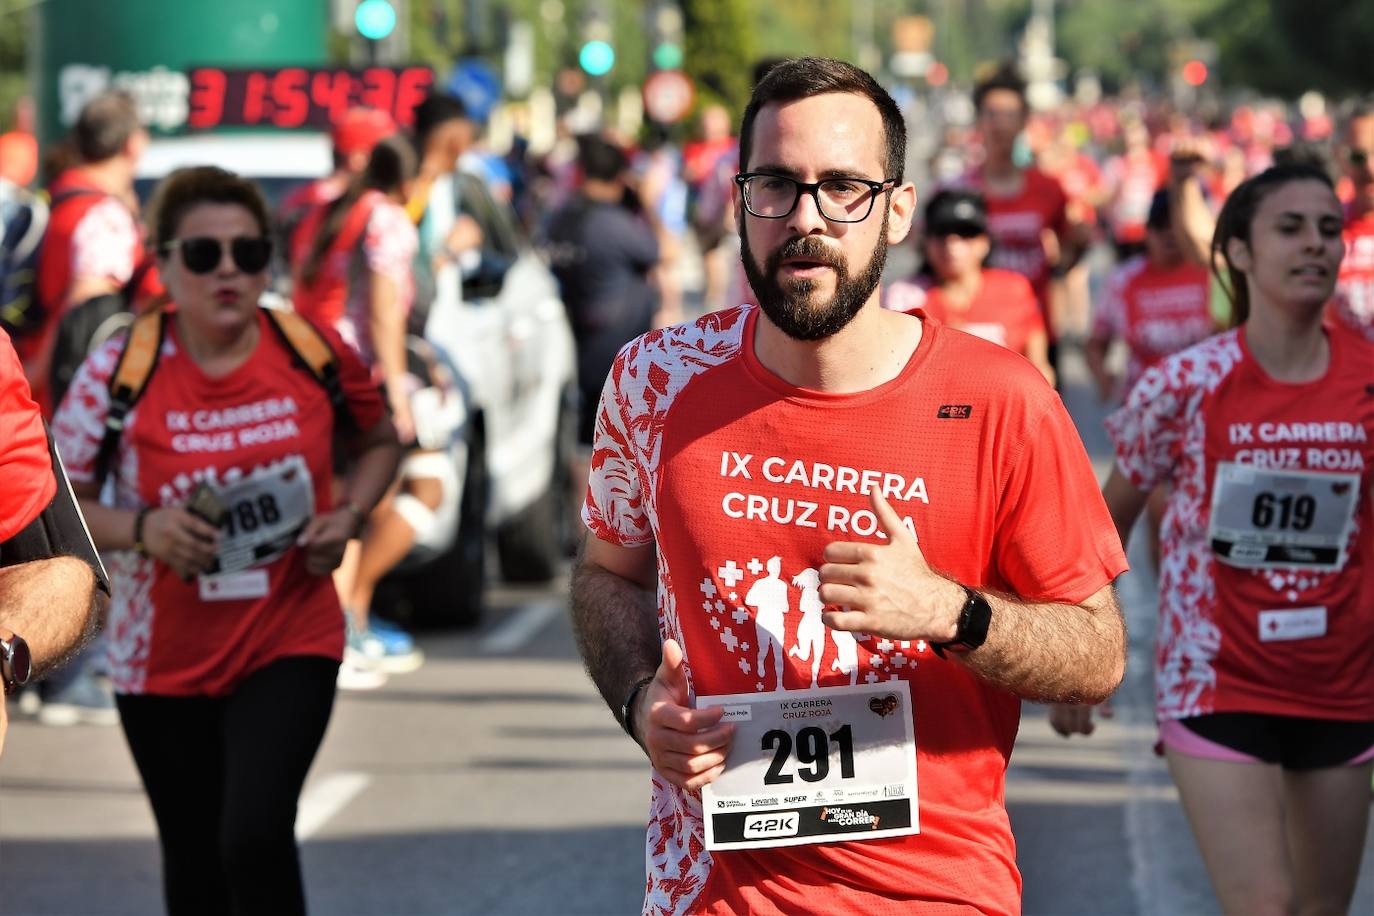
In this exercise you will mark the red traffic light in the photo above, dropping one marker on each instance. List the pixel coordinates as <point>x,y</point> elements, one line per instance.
<point>1195,73</point>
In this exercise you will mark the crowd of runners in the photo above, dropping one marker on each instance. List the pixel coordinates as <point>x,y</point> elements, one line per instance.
<point>821,438</point>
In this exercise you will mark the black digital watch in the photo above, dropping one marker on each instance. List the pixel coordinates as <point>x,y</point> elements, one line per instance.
<point>972,632</point>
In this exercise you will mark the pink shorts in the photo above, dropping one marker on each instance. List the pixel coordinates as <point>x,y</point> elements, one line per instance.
<point>1293,742</point>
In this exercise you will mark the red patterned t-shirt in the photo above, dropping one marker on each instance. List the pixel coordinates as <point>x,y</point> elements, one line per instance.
<point>742,479</point>
<point>1284,640</point>
<point>260,431</point>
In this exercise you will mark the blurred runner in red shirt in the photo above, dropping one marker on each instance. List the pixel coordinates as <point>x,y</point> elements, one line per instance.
<point>1027,210</point>
<point>354,136</point>
<point>1354,300</point>
<point>956,289</point>
<point>93,241</point>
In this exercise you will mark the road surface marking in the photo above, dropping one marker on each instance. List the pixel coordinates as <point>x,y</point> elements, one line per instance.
<point>326,798</point>
<point>519,628</point>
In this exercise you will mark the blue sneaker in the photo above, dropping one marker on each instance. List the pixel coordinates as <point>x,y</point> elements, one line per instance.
<point>389,648</point>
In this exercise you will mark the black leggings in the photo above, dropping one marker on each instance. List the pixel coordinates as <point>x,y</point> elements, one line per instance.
<point>224,775</point>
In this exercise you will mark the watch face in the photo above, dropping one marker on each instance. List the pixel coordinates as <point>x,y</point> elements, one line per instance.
<point>21,662</point>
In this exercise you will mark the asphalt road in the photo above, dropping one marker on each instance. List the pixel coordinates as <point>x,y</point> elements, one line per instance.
<point>494,781</point>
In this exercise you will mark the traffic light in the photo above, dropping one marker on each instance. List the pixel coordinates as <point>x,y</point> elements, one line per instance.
<point>375,19</point>
<point>667,55</point>
<point>597,57</point>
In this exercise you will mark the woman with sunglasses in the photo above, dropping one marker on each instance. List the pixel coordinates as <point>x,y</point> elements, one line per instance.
<point>957,290</point>
<point>224,639</point>
<point>1264,659</point>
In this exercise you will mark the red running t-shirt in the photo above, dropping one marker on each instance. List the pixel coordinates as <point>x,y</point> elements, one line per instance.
<point>265,426</point>
<point>1155,311</point>
<point>1294,639</point>
<point>1354,299</point>
<point>703,451</point>
<point>1017,226</point>
<point>25,465</point>
<point>1003,311</point>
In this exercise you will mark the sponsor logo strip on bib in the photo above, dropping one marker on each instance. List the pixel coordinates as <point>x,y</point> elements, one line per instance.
<point>814,766</point>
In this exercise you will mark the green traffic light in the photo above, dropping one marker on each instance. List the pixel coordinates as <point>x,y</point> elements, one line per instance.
<point>668,56</point>
<point>375,19</point>
<point>597,58</point>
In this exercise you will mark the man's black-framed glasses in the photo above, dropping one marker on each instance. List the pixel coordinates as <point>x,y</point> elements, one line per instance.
<point>840,200</point>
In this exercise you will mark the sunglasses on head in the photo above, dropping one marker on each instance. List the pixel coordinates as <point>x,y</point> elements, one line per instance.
<point>202,255</point>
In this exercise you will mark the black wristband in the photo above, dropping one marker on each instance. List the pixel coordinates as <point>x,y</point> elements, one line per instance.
<point>627,721</point>
<point>138,530</point>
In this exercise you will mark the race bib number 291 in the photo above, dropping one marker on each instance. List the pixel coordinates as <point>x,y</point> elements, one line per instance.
<point>814,766</point>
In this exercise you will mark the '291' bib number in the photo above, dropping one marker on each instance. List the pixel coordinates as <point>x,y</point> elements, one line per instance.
<point>1297,519</point>
<point>814,766</point>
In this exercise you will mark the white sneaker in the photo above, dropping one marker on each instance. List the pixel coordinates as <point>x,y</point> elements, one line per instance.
<point>354,675</point>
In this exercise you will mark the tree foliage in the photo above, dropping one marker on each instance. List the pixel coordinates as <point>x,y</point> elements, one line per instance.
<point>719,51</point>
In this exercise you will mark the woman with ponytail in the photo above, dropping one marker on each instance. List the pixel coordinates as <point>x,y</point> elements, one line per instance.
<point>1264,673</point>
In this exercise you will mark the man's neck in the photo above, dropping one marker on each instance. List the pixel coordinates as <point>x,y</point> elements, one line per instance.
<point>113,176</point>
<point>606,192</point>
<point>871,350</point>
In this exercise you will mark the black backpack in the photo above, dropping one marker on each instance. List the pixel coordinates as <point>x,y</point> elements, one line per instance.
<point>86,326</point>
<point>21,314</point>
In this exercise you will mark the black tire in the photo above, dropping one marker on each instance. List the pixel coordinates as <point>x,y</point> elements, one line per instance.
<point>449,591</point>
<point>533,544</point>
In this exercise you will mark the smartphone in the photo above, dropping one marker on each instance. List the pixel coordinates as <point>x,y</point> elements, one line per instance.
<point>206,505</point>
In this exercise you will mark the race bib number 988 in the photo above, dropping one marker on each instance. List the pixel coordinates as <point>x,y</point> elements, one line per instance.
<point>1264,518</point>
<point>814,767</point>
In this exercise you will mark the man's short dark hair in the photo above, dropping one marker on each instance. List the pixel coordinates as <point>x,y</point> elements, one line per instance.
<point>599,158</point>
<point>794,80</point>
<point>1005,78</point>
<point>435,109</point>
<point>105,124</point>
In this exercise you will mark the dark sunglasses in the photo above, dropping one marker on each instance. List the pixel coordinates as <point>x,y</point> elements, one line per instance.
<point>203,254</point>
<point>962,230</point>
<point>1358,158</point>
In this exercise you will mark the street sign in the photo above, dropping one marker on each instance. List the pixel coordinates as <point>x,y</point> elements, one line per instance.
<point>668,96</point>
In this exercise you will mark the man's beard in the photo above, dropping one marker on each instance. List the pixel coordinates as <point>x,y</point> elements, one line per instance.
<point>790,310</point>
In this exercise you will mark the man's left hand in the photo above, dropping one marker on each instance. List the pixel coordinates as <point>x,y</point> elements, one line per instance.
<point>888,590</point>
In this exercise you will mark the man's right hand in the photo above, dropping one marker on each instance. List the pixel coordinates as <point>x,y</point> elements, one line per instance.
<point>686,746</point>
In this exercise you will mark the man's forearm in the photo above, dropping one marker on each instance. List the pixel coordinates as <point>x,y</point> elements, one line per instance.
<point>616,623</point>
<point>53,604</point>
<point>1061,653</point>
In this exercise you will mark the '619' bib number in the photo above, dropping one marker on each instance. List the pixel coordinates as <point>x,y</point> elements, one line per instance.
<point>1264,518</point>
<point>813,754</point>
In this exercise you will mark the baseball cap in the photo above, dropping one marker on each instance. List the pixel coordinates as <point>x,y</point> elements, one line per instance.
<point>955,211</point>
<point>360,129</point>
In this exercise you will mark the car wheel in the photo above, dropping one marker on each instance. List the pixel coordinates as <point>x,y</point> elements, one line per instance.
<point>533,544</point>
<point>449,591</point>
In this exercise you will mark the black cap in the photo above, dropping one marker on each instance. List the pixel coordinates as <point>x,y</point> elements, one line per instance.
<point>956,209</point>
<point>1159,210</point>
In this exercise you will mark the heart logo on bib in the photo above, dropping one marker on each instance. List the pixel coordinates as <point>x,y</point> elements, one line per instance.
<point>1340,488</point>
<point>883,706</point>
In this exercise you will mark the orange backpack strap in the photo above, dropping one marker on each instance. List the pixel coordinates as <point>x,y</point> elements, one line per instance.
<point>314,353</point>
<point>135,367</point>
